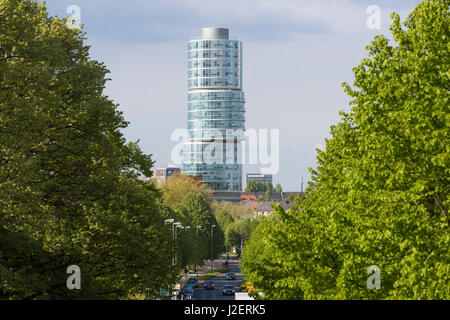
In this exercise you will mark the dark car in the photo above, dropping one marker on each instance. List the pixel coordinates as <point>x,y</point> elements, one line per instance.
<point>209,285</point>
<point>193,282</point>
<point>228,290</point>
<point>231,276</point>
<point>186,291</point>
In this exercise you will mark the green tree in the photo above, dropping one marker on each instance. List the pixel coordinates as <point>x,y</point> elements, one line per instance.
<point>233,236</point>
<point>278,188</point>
<point>261,262</point>
<point>200,215</point>
<point>251,186</point>
<point>380,192</point>
<point>70,187</point>
<point>224,219</point>
<point>255,186</point>
<point>238,211</point>
<point>184,246</point>
<point>269,191</point>
<point>291,197</point>
<point>179,185</point>
<point>239,231</point>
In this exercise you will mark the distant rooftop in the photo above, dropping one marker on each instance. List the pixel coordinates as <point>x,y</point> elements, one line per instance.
<point>170,165</point>
<point>238,196</point>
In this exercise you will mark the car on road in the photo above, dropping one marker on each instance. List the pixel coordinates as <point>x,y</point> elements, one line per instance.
<point>231,276</point>
<point>209,285</point>
<point>186,291</point>
<point>228,290</point>
<point>193,282</point>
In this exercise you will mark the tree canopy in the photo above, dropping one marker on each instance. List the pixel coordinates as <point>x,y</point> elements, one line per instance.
<point>179,185</point>
<point>200,215</point>
<point>224,219</point>
<point>256,186</point>
<point>278,188</point>
<point>237,210</point>
<point>70,187</point>
<point>380,191</point>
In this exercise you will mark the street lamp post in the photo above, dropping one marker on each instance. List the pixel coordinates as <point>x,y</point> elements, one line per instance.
<point>197,256</point>
<point>212,245</point>
<point>242,245</point>
<point>187,228</point>
<point>176,225</point>
<point>171,221</point>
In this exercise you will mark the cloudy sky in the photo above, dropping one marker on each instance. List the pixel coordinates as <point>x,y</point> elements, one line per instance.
<point>296,55</point>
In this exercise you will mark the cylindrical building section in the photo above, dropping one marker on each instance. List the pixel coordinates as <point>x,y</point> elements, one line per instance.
<point>216,112</point>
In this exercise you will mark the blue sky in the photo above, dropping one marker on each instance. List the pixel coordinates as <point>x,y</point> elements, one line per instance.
<point>296,55</point>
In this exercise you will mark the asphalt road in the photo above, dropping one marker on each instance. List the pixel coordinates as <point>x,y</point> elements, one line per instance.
<point>219,282</point>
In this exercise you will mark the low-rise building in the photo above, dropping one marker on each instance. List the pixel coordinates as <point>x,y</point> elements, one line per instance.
<point>238,196</point>
<point>265,208</point>
<point>163,173</point>
<point>259,177</point>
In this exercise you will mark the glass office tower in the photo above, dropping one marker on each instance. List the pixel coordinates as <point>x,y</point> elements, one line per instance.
<point>216,112</point>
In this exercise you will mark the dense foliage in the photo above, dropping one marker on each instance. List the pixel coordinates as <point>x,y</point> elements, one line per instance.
<point>237,210</point>
<point>198,215</point>
<point>70,187</point>
<point>262,262</point>
<point>256,186</point>
<point>178,186</point>
<point>224,219</point>
<point>278,188</point>
<point>380,194</point>
<point>239,231</point>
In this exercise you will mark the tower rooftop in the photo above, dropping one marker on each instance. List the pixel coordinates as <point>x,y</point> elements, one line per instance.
<point>215,33</point>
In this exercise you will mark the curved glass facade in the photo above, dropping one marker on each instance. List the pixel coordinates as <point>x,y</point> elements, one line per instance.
<point>216,112</point>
